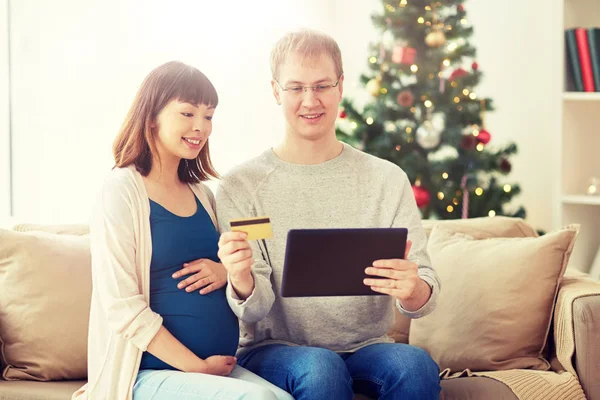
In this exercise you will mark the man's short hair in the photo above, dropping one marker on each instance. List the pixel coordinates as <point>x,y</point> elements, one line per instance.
<point>307,43</point>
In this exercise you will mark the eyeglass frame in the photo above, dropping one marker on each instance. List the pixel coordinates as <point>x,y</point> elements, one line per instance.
<point>305,88</point>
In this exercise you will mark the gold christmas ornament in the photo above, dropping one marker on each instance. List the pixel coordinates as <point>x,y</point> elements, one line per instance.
<point>436,38</point>
<point>373,87</point>
<point>427,136</point>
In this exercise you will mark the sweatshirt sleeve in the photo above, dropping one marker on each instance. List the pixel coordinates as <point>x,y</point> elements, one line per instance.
<point>260,301</point>
<point>114,274</point>
<point>409,216</point>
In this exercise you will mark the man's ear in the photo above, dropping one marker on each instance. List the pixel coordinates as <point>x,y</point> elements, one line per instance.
<point>276,93</point>
<point>341,87</point>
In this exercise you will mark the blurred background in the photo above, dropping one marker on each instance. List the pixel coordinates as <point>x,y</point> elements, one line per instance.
<point>69,70</point>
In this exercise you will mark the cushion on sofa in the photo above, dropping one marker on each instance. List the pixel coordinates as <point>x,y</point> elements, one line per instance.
<point>44,305</point>
<point>27,390</point>
<point>480,228</point>
<point>484,227</point>
<point>69,229</point>
<point>495,306</point>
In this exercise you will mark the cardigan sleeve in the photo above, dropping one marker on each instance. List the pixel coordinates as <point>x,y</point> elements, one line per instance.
<point>115,279</point>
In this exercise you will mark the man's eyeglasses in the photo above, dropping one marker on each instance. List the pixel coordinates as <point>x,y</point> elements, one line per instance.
<point>317,89</point>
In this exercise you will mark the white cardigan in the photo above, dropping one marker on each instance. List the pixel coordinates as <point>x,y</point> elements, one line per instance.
<point>121,321</point>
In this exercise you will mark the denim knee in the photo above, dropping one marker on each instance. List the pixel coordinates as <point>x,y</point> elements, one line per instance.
<point>421,371</point>
<point>321,368</point>
<point>425,366</point>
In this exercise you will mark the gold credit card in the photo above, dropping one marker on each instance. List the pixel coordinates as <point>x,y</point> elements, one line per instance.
<point>256,228</point>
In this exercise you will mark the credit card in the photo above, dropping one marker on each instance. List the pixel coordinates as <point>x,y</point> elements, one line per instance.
<point>256,228</point>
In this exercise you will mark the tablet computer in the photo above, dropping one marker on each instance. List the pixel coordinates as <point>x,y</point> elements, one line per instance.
<point>332,262</point>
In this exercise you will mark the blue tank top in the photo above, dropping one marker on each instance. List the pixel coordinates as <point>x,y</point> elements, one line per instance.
<point>205,324</point>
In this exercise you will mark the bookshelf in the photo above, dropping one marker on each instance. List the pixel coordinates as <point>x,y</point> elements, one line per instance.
<point>578,144</point>
<point>577,96</point>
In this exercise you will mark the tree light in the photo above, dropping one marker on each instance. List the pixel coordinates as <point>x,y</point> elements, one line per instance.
<point>445,175</point>
<point>450,209</point>
<point>440,195</point>
<point>492,213</point>
<point>372,59</point>
<point>479,191</point>
<point>369,121</point>
<point>414,68</point>
<point>507,188</point>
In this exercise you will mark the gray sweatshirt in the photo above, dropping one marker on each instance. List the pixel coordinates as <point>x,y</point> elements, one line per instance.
<point>353,190</point>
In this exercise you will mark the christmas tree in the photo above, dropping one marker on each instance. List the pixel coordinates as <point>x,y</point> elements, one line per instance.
<point>424,114</point>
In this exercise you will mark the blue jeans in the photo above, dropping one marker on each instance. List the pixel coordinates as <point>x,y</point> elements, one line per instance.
<point>240,385</point>
<point>384,371</point>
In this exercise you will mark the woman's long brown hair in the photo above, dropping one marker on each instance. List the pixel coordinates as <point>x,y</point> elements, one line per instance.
<point>135,142</point>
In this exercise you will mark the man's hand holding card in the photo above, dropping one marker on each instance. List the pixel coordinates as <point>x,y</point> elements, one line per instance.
<point>235,252</point>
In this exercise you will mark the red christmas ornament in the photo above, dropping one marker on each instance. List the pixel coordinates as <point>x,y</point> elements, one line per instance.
<point>484,136</point>
<point>461,8</point>
<point>505,166</point>
<point>458,73</point>
<point>469,142</point>
<point>406,98</point>
<point>343,114</point>
<point>421,196</point>
<point>475,66</point>
<point>403,55</point>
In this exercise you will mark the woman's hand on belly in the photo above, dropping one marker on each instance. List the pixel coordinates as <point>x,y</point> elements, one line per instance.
<point>206,274</point>
<point>217,365</point>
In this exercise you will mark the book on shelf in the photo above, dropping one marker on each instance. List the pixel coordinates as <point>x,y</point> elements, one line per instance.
<point>594,43</point>
<point>582,51</point>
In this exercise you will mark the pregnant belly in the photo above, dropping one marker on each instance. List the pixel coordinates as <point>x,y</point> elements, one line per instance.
<point>204,338</point>
<point>203,323</point>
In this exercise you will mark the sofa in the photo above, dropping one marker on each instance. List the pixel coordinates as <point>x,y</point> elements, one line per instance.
<point>45,283</point>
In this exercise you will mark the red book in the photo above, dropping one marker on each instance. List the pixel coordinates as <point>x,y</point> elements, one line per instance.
<point>585,60</point>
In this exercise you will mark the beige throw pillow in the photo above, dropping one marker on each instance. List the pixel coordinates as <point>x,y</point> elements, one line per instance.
<point>480,228</point>
<point>495,306</point>
<point>484,227</point>
<point>72,229</point>
<point>45,293</point>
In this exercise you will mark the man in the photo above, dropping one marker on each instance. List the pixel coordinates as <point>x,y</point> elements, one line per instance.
<point>323,347</point>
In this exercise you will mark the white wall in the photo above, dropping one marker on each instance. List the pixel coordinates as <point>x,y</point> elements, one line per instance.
<point>80,63</point>
<point>4,120</point>
<point>515,55</point>
<point>79,67</point>
<point>517,58</point>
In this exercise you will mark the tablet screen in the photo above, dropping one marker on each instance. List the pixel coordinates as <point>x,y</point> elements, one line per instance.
<point>332,262</point>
